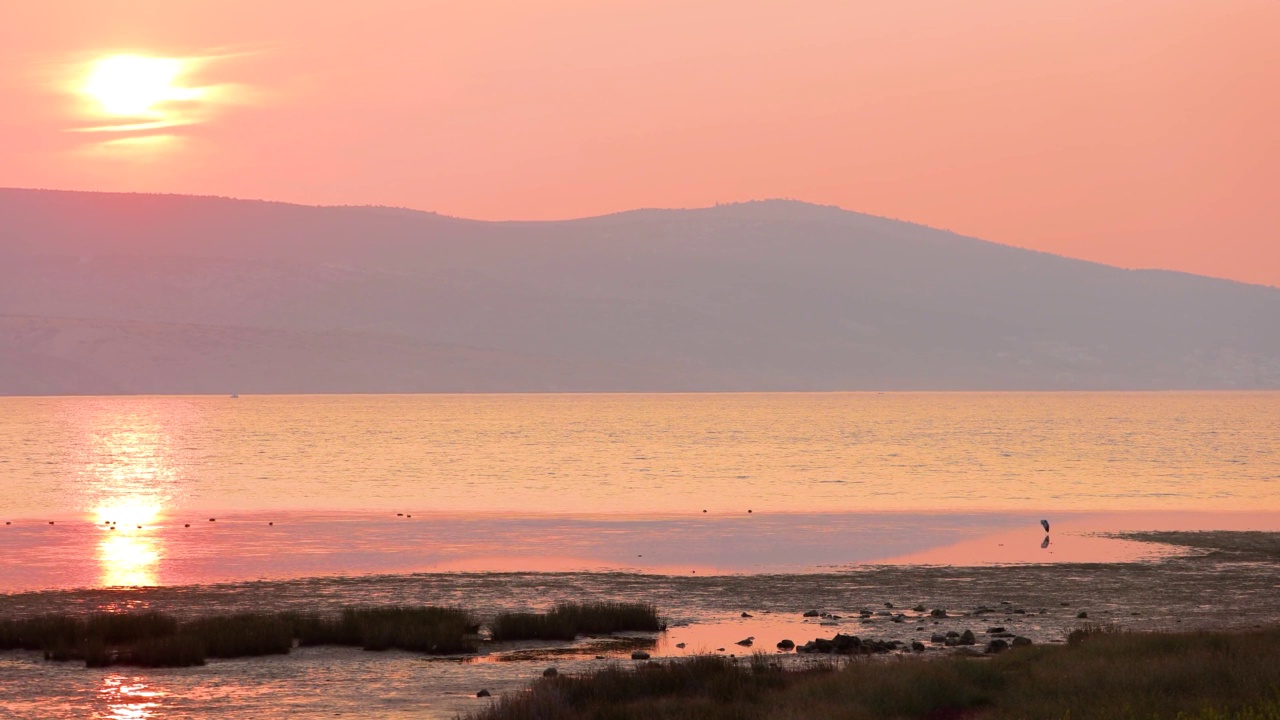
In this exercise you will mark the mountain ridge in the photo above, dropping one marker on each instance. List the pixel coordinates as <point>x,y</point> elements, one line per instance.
<point>765,295</point>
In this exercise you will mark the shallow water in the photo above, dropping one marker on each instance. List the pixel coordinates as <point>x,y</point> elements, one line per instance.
<point>516,502</point>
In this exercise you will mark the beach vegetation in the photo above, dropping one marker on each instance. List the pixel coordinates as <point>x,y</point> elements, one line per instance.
<point>1101,674</point>
<point>568,620</point>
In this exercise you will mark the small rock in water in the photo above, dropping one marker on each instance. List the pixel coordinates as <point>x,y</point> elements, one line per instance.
<point>213,519</point>
<point>993,630</point>
<point>1082,615</point>
<point>719,649</point>
<point>808,613</point>
<point>919,608</point>
<point>746,642</point>
<point>938,638</point>
<point>550,672</point>
<point>639,655</point>
<point>888,604</point>
<point>484,693</point>
<point>996,646</point>
<point>1021,641</point>
<point>917,646</point>
<point>938,612</point>
<point>786,645</point>
<point>680,645</point>
<point>747,614</point>
<point>968,638</point>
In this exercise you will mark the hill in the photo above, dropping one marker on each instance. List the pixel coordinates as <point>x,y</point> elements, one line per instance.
<point>118,293</point>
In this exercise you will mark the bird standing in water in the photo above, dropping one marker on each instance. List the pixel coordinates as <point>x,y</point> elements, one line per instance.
<point>1045,524</point>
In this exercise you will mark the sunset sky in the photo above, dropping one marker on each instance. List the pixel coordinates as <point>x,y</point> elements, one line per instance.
<point>1142,133</point>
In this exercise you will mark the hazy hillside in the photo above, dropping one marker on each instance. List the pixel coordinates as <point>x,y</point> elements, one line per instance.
<point>144,293</point>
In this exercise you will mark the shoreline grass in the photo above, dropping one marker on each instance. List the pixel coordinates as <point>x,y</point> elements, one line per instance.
<point>1100,673</point>
<point>157,640</point>
<point>566,621</point>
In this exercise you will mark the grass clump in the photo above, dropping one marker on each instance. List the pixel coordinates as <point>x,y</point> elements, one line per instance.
<point>158,640</point>
<point>426,629</point>
<point>568,620</point>
<point>1101,674</point>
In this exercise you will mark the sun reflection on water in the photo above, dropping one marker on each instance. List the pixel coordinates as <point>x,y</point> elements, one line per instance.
<point>128,698</point>
<point>128,560</point>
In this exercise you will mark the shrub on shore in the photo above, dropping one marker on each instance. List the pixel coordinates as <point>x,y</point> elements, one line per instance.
<point>1104,675</point>
<point>568,620</point>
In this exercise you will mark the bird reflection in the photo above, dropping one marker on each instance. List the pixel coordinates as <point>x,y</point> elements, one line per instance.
<point>1045,544</point>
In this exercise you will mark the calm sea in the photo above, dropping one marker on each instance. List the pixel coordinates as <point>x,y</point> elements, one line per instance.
<point>176,490</point>
<point>709,505</point>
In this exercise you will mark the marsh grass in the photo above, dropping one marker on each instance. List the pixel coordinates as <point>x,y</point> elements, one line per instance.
<point>158,640</point>
<point>1103,674</point>
<point>568,620</point>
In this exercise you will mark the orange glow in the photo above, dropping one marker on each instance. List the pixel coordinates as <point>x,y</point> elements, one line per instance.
<point>1139,133</point>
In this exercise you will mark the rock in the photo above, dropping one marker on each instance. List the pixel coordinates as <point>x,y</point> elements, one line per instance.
<point>993,630</point>
<point>938,638</point>
<point>786,645</point>
<point>550,672</point>
<point>747,614</point>
<point>1082,615</point>
<point>484,693</point>
<point>864,614</point>
<point>953,634</point>
<point>1021,641</point>
<point>747,642</point>
<point>642,655</point>
<point>846,644</point>
<point>888,604</point>
<point>919,608</point>
<point>996,646</point>
<point>952,642</point>
<point>899,618</point>
<point>813,613</point>
<point>680,645</point>
<point>719,649</point>
<point>600,657</point>
<point>883,613</point>
<point>968,638</point>
<point>917,646</point>
<point>1019,611</point>
<point>938,612</point>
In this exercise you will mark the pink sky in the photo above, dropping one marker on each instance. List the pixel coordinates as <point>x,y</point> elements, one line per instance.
<point>1142,133</point>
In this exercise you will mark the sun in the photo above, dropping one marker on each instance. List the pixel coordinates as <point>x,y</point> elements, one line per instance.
<point>134,85</point>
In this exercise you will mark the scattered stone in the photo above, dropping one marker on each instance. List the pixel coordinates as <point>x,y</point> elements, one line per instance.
<point>1021,641</point>
<point>1065,604</point>
<point>1019,611</point>
<point>1082,615</point>
<point>994,630</point>
<point>938,612</point>
<point>680,645</point>
<point>996,646</point>
<point>812,613</point>
<point>642,655</point>
<point>747,614</point>
<point>917,646</point>
<point>899,618</point>
<point>550,672</point>
<point>938,638</point>
<point>1005,602</point>
<point>484,693</point>
<point>786,645</point>
<point>747,642</point>
<point>864,614</point>
<point>953,634</point>
<point>919,608</point>
<point>968,638</point>
<point>719,649</point>
<point>888,604</point>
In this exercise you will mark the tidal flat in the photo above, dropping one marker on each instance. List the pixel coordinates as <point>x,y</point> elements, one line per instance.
<point>1225,586</point>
